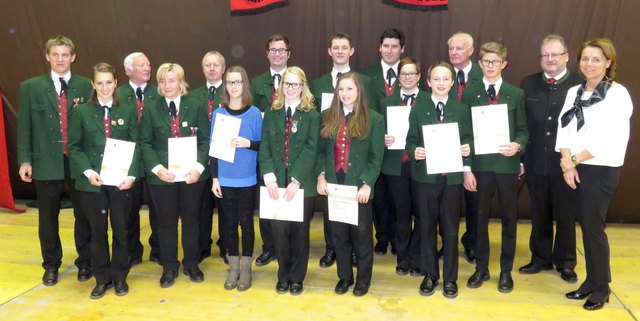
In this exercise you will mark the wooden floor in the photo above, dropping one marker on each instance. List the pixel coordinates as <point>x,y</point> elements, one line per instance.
<point>392,297</point>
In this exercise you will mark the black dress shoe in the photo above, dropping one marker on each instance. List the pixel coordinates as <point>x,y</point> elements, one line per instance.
<point>154,257</point>
<point>328,259</point>
<point>450,290</point>
<point>476,279</point>
<point>402,270</point>
<point>134,261</point>
<point>100,290</point>
<point>194,273</point>
<point>168,278</point>
<point>264,258</point>
<point>505,284</point>
<point>360,289</point>
<point>428,285</point>
<point>380,248</point>
<point>568,275</point>
<point>531,268</point>
<point>470,254</point>
<point>50,277</point>
<point>296,288</point>
<point>415,272</point>
<point>343,286</point>
<point>282,287</point>
<point>354,260</point>
<point>84,273</point>
<point>592,306</point>
<point>577,295</point>
<point>121,287</point>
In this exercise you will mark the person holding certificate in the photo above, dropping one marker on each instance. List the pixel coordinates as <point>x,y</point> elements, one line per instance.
<point>497,170</point>
<point>396,167</point>
<point>92,124</point>
<point>350,153</point>
<point>235,181</point>
<point>175,127</point>
<point>438,196</point>
<point>287,160</point>
<point>593,132</point>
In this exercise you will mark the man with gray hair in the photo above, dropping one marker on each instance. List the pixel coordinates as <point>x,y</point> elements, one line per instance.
<point>550,196</point>
<point>137,94</point>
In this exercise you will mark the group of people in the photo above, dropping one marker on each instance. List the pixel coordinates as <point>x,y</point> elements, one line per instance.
<point>567,132</point>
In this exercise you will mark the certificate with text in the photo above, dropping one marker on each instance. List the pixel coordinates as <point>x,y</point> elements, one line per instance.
<point>327,98</point>
<point>183,155</point>
<point>398,125</point>
<point>116,161</point>
<point>442,145</point>
<point>343,205</point>
<point>490,128</point>
<point>280,209</point>
<point>225,128</point>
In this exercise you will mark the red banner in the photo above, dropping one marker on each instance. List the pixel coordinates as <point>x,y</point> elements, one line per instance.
<point>6,194</point>
<point>247,7</point>
<point>421,5</point>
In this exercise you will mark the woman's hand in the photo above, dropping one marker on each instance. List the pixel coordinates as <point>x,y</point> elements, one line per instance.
<point>470,183</point>
<point>571,177</point>
<point>192,176</point>
<point>566,163</point>
<point>272,189</point>
<point>389,140</point>
<point>465,150</point>
<point>240,142</point>
<point>420,153</point>
<point>363,194</point>
<point>215,188</point>
<point>95,179</point>
<point>126,184</point>
<point>165,175</point>
<point>322,186</point>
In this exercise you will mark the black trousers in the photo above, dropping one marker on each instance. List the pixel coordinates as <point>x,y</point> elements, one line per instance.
<point>407,222</point>
<point>178,201</point>
<point>598,184</point>
<point>552,198</point>
<point>507,187</point>
<point>468,239</point>
<point>266,234</point>
<point>439,207</point>
<point>237,205</point>
<point>49,195</point>
<point>348,238</point>
<point>384,216</point>
<point>326,225</point>
<point>110,204</point>
<point>292,245</point>
<point>136,248</point>
<point>206,219</point>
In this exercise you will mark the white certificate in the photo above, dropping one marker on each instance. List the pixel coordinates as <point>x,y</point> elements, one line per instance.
<point>118,155</point>
<point>442,144</point>
<point>490,128</point>
<point>282,210</point>
<point>225,128</point>
<point>398,125</point>
<point>327,98</point>
<point>343,205</point>
<point>183,155</point>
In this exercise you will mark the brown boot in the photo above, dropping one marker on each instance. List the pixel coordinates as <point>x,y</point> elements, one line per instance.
<point>234,272</point>
<point>244,282</point>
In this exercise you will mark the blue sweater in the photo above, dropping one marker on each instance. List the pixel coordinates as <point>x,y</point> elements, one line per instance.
<point>242,172</point>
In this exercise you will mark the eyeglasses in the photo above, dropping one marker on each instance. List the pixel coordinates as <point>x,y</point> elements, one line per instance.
<point>294,85</point>
<point>234,83</point>
<point>278,50</point>
<point>491,63</point>
<point>552,55</point>
<point>408,74</point>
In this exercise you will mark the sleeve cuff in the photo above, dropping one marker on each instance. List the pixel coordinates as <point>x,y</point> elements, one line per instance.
<point>89,172</point>
<point>466,168</point>
<point>269,178</point>
<point>199,168</point>
<point>156,169</point>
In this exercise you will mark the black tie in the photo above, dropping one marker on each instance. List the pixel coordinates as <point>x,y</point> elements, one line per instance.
<point>390,75</point>
<point>63,86</point>
<point>347,117</point>
<point>107,112</point>
<point>338,77</point>
<point>440,108</point>
<point>461,77</point>
<point>173,111</point>
<point>491,92</point>
<point>139,94</point>
<point>288,117</point>
<point>212,93</point>
<point>408,99</point>
<point>276,80</point>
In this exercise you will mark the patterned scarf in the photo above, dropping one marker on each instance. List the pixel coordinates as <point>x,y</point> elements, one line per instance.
<point>598,95</point>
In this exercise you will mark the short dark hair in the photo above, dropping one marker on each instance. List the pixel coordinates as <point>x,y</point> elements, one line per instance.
<point>341,35</point>
<point>394,34</point>
<point>278,37</point>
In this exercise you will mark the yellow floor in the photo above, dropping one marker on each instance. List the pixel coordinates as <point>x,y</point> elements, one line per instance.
<point>392,297</point>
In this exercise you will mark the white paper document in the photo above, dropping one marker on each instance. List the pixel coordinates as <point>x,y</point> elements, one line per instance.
<point>282,210</point>
<point>398,125</point>
<point>490,128</point>
<point>225,128</point>
<point>343,205</point>
<point>183,155</point>
<point>118,155</point>
<point>327,98</point>
<point>442,144</point>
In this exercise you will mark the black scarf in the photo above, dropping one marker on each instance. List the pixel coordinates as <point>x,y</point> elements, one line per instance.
<point>598,95</point>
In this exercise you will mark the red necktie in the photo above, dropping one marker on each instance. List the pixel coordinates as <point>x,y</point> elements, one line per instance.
<point>551,80</point>
<point>62,108</point>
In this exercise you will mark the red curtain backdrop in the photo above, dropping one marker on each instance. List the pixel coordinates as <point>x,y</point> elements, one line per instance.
<point>6,194</point>
<point>246,7</point>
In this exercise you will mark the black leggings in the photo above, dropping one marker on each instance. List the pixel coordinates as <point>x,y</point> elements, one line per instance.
<point>237,206</point>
